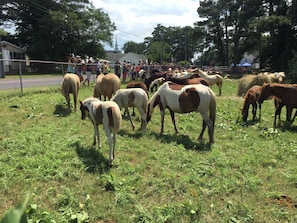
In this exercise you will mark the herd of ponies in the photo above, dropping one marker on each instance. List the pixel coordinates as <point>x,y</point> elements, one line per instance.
<point>178,92</point>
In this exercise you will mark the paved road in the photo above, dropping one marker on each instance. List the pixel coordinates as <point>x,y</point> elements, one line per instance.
<point>29,82</point>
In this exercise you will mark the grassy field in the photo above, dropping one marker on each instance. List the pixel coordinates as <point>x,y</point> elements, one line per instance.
<point>248,175</point>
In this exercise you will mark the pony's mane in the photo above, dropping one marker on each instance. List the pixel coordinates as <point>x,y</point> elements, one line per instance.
<point>153,98</point>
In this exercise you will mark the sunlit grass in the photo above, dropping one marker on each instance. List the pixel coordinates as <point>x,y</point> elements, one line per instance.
<point>248,175</point>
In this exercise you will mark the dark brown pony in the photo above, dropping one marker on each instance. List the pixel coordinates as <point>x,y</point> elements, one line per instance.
<point>186,81</point>
<point>287,93</point>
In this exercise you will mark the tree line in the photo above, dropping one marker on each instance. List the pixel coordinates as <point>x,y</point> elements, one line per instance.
<point>49,29</point>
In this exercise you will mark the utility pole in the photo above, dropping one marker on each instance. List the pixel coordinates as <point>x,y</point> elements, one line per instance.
<point>2,74</point>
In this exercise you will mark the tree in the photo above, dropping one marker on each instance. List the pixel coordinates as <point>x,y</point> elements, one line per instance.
<point>239,26</point>
<point>52,29</point>
<point>131,46</point>
<point>176,43</point>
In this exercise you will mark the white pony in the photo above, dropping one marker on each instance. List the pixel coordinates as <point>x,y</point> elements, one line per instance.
<point>107,113</point>
<point>212,79</point>
<point>133,97</point>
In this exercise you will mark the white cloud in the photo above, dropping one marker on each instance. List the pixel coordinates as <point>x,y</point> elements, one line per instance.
<point>136,19</point>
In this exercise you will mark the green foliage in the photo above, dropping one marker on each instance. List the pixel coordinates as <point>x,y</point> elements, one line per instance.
<point>247,175</point>
<point>53,29</point>
<point>292,74</point>
<point>236,27</point>
<point>18,214</point>
<point>133,47</point>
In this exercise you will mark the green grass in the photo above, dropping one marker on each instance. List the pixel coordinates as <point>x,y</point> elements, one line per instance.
<point>248,175</point>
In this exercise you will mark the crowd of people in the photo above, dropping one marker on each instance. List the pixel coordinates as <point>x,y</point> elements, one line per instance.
<point>88,66</point>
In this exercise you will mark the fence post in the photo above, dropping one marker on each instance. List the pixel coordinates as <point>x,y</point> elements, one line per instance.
<point>21,81</point>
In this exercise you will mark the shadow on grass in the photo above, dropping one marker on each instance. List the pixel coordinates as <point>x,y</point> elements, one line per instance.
<point>61,111</point>
<point>92,158</point>
<point>135,134</point>
<point>184,140</point>
<point>287,126</point>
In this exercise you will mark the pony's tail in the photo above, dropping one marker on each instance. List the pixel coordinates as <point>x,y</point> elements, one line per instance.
<point>212,108</point>
<point>117,117</point>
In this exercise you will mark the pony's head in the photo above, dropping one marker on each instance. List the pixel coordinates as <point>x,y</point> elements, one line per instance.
<point>153,102</point>
<point>86,106</point>
<point>84,109</point>
<point>244,113</point>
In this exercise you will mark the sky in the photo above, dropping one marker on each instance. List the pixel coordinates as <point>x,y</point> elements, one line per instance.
<point>137,19</point>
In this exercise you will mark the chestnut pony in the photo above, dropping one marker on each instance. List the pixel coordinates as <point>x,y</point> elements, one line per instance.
<point>107,113</point>
<point>287,93</point>
<point>251,98</point>
<point>185,99</point>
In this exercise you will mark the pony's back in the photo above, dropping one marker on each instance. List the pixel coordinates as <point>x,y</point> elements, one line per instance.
<point>70,84</point>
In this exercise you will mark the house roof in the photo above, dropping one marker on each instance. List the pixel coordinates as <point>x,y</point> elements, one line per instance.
<point>11,47</point>
<point>132,57</point>
<point>113,55</point>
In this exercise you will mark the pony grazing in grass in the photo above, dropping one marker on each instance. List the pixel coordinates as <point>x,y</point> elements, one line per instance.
<point>184,99</point>
<point>70,85</point>
<point>107,113</point>
<point>133,97</point>
<point>251,98</point>
<point>106,85</point>
<point>287,93</point>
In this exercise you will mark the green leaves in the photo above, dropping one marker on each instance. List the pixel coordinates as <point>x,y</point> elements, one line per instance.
<point>17,214</point>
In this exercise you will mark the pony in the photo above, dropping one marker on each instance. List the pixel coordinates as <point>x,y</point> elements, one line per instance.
<point>185,99</point>
<point>70,85</point>
<point>155,75</point>
<point>287,94</point>
<point>156,84</point>
<point>212,79</point>
<point>133,97</point>
<point>251,98</point>
<point>186,81</point>
<point>107,113</point>
<point>137,84</point>
<point>106,85</point>
<point>143,74</point>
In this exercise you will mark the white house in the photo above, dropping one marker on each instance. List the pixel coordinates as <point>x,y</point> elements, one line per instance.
<point>10,51</point>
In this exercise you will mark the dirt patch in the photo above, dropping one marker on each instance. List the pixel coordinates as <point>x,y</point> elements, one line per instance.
<point>284,201</point>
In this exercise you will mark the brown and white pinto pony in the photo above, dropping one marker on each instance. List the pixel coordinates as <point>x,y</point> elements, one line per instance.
<point>185,99</point>
<point>156,84</point>
<point>70,85</point>
<point>287,93</point>
<point>107,113</point>
<point>133,97</point>
<point>137,84</point>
